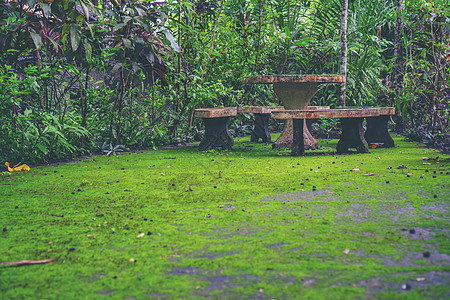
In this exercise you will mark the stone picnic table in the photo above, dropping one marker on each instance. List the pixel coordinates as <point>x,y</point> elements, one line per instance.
<point>295,93</point>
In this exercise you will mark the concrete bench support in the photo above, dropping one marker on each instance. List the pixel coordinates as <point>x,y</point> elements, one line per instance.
<point>377,131</point>
<point>261,127</point>
<point>352,136</point>
<point>217,134</point>
<point>351,121</point>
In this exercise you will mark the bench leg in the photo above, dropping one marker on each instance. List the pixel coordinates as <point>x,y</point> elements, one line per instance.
<point>298,145</point>
<point>377,131</point>
<point>352,136</point>
<point>261,130</point>
<point>216,134</point>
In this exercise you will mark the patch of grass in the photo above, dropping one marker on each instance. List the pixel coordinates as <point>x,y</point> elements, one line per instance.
<point>252,222</point>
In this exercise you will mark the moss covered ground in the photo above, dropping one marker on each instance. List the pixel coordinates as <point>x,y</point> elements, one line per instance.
<point>248,223</point>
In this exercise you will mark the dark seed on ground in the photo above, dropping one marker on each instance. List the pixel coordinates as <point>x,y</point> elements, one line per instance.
<point>314,190</point>
<point>434,196</point>
<point>215,187</point>
<point>57,172</point>
<point>117,181</point>
<point>5,229</point>
<point>16,207</point>
<point>301,183</point>
<point>426,254</point>
<point>173,184</point>
<point>149,233</point>
<point>314,186</point>
<point>407,175</point>
<point>72,249</point>
<point>99,167</point>
<point>131,218</point>
<point>387,181</point>
<point>173,211</point>
<point>421,177</point>
<point>412,231</point>
<point>145,219</point>
<point>108,182</point>
<point>114,277</point>
<point>73,193</point>
<point>426,171</point>
<point>79,190</point>
<point>434,172</point>
<point>45,174</point>
<point>62,175</point>
<point>107,193</point>
<point>434,176</point>
<point>298,164</point>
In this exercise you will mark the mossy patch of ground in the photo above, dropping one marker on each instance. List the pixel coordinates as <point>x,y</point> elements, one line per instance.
<point>248,223</point>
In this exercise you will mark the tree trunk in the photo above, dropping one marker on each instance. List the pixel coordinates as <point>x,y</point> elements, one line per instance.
<point>399,70</point>
<point>343,71</point>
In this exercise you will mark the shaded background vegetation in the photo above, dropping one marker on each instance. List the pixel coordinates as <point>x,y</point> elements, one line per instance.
<point>79,77</point>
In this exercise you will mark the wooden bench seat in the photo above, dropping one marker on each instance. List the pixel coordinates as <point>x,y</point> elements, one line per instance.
<point>351,121</point>
<point>217,134</point>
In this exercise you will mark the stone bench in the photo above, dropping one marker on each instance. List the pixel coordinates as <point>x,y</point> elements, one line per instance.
<point>216,127</point>
<point>262,115</point>
<point>261,126</point>
<point>351,121</point>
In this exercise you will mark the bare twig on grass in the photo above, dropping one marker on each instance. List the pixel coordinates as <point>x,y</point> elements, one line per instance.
<point>29,262</point>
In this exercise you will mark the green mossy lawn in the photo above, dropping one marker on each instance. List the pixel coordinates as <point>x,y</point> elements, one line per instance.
<point>248,223</point>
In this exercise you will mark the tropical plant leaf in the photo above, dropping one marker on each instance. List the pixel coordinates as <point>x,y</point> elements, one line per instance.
<point>75,36</point>
<point>37,40</point>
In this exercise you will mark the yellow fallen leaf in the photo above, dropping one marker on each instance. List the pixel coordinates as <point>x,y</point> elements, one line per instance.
<point>23,167</point>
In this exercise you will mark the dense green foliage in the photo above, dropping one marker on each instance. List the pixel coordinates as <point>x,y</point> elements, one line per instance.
<point>75,76</point>
<point>252,223</point>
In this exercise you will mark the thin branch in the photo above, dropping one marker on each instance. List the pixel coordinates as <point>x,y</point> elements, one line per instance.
<point>29,262</point>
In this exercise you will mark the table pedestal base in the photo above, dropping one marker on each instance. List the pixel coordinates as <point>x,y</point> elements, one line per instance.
<point>352,136</point>
<point>286,138</point>
<point>216,134</point>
